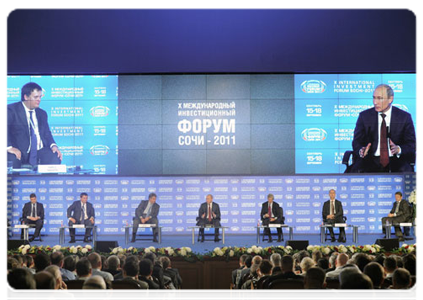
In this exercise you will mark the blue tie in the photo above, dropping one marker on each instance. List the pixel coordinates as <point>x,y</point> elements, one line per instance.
<point>34,142</point>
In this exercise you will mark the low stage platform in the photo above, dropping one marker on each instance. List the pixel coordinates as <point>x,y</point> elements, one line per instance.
<point>177,241</point>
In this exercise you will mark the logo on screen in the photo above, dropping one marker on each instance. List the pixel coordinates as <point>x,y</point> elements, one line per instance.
<point>314,134</point>
<point>99,150</point>
<point>99,111</point>
<point>313,86</point>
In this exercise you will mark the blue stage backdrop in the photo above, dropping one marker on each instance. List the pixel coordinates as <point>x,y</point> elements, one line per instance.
<point>365,198</point>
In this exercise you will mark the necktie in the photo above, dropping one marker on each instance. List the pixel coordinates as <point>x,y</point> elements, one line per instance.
<point>149,211</point>
<point>332,208</point>
<point>33,210</point>
<point>34,142</point>
<point>384,156</point>
<point>209,213</point>
<point>270,211</point>
<point>397,207</point>
<point>83,213</point>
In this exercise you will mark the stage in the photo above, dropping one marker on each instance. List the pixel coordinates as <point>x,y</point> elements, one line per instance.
<point>177,241</point>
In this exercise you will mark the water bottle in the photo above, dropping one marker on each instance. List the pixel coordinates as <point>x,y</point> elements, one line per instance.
<point>258,223</point>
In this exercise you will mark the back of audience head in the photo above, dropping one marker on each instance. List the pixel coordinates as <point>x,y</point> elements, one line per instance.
<point>257,260</point>
<point>361,260</point>
<point>83,268</point>
<point>323,263</point>
<point>276,259</point>
<point>242,259</point>
<point>351,278</point>
<point>380,258</point>
<point>131,268</point>
<point>69,263</point>
<point>20,278</point>
<point>332,259</point>
<point>315,278</point>
<point>409,263</point>
<point>390,264</point>
<point>19,258</point>
<point>29,261</point>
<point>55,271</point>
<point>57,258</point>
<point>41,261</point>
<point>97,288</point>
<point>316,255</point>
<point>151,256</point>
<point>306,264</point>
<point>399,261</point>
<point>287,264</point>
<point>375,271</point>
<point>45,280</point>
<point>95,260</point>
<point>113,262</point>
<point>145,267</point>
<point>12,263</point>
<point>265,267</point>
<point>165,262</point>
<point>401,279</point>
<point>357,286</point>
<point>341,260</point>
<point>249,261</point>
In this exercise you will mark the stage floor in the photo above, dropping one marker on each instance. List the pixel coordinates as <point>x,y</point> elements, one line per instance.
<point>177,241</point>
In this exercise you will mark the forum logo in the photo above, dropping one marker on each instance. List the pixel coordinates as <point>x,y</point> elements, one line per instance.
<point>313,87</point>
<point>99,150</point>
<point>314,135</point>
<point>99,111</point>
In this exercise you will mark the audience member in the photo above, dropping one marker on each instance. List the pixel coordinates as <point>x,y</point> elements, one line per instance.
<point>157,269</point>
<point>57,259</point>
<point>401,279</point>
<point>351,278</point>
<point>236,274</point>
<point>332,262</point>
<point>390,265</point>
<point>314,286</point>
<point>276,260</point>
<point>323,263</point>
<point>375,271</point>
<point>130,273</point>
<point>113,265</point>
<point>171,272</point>
<point>146,270</point>
<point>41,261</point>
<point>55,271</point>
<point>97,288</point>
<point>409,263</point>
<point>95,260</point>
<point>340,262</point>
<point>44,280</point>
<point>306,264</point>
<point>69,263</point>
<point>21,278</point>
<point>12,264</point>
<point>83,269</point>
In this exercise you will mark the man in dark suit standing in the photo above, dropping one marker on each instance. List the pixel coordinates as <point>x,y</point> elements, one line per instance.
<point>81,212</point>
<point>29,139</point>
<point>399,213</point>
<point>384,136</point>
<point>33,213</point>
<point>333,213</point>
<point>146,213</point>
<point>209,214</point>
<point>271,213</point>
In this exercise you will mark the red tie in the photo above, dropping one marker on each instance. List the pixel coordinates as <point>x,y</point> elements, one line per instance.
<point>209,214</point>
<point>384,156</point>
<point>270,211</point>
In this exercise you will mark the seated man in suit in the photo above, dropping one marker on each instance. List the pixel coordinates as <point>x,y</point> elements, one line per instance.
<point>271,213</point>
<point>314,286</point>
<point>399,213</point>
<point>384,136</point>
<point>29,139</point>
<point>33,213</point>
<point>209,214</point>
<point>81,212</point>
<point>333,213</point>
<point>146,213</point>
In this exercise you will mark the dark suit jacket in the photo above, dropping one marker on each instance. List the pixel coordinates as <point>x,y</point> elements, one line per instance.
<point>401,132</point>
<point>313,294</point>
<point>75,210</point>
<point>339,212</point>
<point>203,210</point>
<point>174,275</point>
<point>143,205</point>
<point>18,134</point>
<point>277,211</point>
<point>286,275</point>
<point>26,211</point>
<point>151,284</point>
<point>404,209</point>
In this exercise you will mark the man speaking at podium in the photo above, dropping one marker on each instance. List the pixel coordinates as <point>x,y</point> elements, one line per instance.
<point>29,139</point>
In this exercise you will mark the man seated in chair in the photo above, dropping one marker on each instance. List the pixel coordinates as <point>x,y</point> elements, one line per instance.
<point>81,212</point>
<point>333,213</point>
<point>146,213</point>
<point>399,213</point>
<point>33,213</point>
<point>209,214</point>
<point>271,213</point>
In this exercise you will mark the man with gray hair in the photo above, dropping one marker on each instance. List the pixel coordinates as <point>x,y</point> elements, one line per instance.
<point>55,271</point>
<point>97,288</point>
<point>146,213</point>
<point>209,214</point>
<point>276,261</point>
<point>95,260</point>
<point>384,136</point>
<point>340,262</point>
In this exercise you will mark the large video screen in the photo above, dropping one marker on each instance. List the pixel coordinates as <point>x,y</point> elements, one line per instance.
<point>232,124</point>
